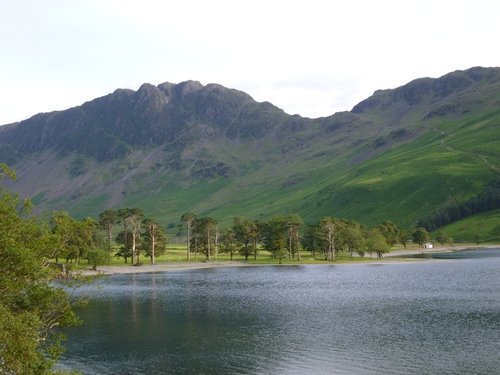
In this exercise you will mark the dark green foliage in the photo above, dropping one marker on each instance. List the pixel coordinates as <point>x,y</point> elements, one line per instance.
<point>274,235</point>
<point>125,240</point>
<point>443,238</point>
<point>31,305</point>
<point>375,242</point>
<point>228,243</point>
<point>75,237</point>
<point>390,231</point>
<point>97,257</point>
<point>420,236</point>
<point>246,234</point>
<point>487,200</point>
<point>154,239</point>
<point>204,236</point>
<point>107,219</point>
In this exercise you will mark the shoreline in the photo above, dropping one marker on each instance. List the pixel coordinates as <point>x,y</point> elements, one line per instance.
<point>391,258</point>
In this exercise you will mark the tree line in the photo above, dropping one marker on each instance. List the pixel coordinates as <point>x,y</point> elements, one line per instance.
<point>286,236</point>
<point>487,200</point>
<point>282,236</point>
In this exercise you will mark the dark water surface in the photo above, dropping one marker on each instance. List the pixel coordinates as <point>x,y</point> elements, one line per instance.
<point>431,317</point>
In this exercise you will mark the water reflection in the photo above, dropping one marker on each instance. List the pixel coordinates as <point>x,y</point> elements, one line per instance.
<point>433,317</point>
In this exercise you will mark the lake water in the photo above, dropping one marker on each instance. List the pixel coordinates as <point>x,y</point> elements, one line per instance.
<point>431,317</point>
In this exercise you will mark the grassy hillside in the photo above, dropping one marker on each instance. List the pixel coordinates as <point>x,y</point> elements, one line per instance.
<point>451,159</point>
<point>454,159</point>
<point>482,227</point>
<point>398,155</point>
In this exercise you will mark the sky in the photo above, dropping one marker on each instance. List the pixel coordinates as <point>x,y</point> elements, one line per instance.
<point>311,57</point>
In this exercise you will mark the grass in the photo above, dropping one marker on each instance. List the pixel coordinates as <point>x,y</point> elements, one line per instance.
<point>176,253</point>
<point>485,227</point>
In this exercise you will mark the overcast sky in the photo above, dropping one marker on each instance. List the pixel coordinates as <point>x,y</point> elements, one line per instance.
<point>308,57</point>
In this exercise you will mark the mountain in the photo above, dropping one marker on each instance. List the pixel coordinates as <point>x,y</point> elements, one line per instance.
<point>398,155</point>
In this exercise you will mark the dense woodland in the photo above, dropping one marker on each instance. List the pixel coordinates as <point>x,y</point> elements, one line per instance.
<point>487,200</point>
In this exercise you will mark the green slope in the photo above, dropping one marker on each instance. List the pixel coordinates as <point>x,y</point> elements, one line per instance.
<point>455,159</point>
<point>398,155</point>
<point>451,159</point>
<point>483,227</point>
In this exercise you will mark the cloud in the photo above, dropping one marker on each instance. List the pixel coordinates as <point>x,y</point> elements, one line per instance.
<point>309,57</point>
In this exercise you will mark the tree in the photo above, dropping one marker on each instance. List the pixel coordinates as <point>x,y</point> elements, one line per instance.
<point>354,238</point>
<point>107,219</point>
<point>376,242</point>
<point>228,242</point>
<point>294,223</point>
<point>390,232</point>
<point>131,218</point>
<point>256,235</point>
<point>6,172</point>
<point>403,237</point>
<point>75,237</point>
<point>205,228</point>
<point>275,236</point>
<point>64,229</point>
<point>97,256</point>
<point>245,230</point>
<point>312,240</point>
<point>327,226</point>
<point>155,239</point>
<point>420,236</point>
<point>477,239</point>
<point>31,304</point>
<point>188,218</point>
<point>442,238</point>
<point>123,237</point>
<point>86,237</point>
<point>125,240</point>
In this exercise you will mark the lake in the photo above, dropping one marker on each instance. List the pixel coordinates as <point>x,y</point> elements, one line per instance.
<point>438,316</point>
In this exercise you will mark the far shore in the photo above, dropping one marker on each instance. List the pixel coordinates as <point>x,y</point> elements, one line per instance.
<point>392,257</point>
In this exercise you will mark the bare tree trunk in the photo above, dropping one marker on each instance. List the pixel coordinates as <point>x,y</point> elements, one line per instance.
<point>133,247</point>
<point>195,247</point>
<point>125,230</point>
<point>298,246</point>
<point>110,237</point>
<point>216,243</point>
<point>135,231</point>
<point>188,241</point>
<point>331,243</point>
<point>208,245</point>
<point>329,252</point>
<point>153,260</point>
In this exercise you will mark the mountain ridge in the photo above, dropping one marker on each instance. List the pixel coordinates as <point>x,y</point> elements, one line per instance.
<point>190,147</point>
